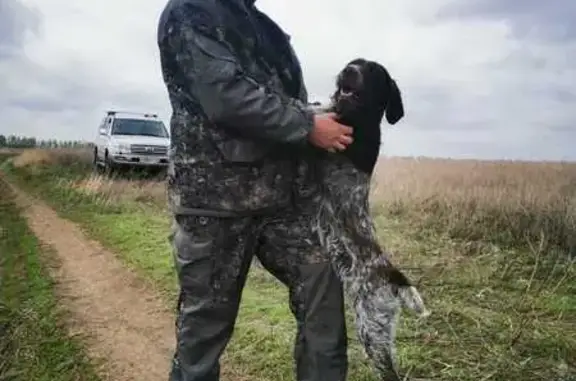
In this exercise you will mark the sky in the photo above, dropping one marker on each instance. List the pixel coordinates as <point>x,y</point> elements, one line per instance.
<point>486,79</point>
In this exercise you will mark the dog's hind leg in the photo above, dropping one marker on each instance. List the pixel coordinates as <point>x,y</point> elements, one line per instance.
<point>378,302</point>
<point>376,320</point>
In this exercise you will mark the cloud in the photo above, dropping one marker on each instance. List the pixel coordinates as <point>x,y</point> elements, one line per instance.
<point>16,22</point>
<point>534,18</point>
<point>86,59</point>
<point>480,78</point>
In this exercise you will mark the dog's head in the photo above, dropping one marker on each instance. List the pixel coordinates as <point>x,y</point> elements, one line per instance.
<point>365,92</point>
<point>365,86</point>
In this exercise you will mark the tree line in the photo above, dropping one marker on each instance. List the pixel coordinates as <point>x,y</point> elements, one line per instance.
<point>14,141</point>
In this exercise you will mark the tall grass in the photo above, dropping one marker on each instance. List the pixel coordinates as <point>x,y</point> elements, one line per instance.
<point>509,203</point>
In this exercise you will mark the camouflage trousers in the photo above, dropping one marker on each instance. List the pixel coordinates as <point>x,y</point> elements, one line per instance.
<point>212,257</point>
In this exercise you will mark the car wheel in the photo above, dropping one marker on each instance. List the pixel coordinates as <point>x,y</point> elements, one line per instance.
<point>95,164</point>
<point>108,166</point>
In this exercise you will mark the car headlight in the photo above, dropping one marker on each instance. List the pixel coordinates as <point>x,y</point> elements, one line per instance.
<point>116,147</point>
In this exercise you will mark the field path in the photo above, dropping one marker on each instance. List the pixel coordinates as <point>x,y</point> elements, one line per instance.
<point>125,323</point>
<point>128,328</point>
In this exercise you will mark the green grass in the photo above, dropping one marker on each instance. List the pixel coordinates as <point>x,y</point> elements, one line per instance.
<point>497,313</point>
<point>4,157</point>
<point>33,343</point>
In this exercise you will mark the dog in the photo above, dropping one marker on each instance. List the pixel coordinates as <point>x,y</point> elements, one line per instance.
<point>365,93</point>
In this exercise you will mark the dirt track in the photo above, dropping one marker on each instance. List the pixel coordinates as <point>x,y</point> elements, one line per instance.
<point>128,328</point>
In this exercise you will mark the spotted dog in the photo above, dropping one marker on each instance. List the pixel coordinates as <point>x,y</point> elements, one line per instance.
<point>377,289</point>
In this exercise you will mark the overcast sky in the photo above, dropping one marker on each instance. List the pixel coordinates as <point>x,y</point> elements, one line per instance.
<point>480,78</point>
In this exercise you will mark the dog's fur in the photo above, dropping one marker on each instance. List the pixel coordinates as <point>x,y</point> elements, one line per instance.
<point>378,290</point>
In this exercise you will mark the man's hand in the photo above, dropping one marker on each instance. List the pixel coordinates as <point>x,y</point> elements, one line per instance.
<point>329,134</point>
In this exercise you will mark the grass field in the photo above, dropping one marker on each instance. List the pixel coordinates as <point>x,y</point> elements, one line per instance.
<point>33,343</point>
<point>492,246</point>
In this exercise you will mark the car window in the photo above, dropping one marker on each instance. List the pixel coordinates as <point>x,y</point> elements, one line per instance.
<point>139,127</point>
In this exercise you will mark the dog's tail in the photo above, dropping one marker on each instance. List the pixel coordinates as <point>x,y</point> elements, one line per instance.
<point>412,300</point>
<point>409,295</point>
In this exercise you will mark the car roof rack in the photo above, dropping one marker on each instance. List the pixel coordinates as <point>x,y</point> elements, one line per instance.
<point>145,114</point>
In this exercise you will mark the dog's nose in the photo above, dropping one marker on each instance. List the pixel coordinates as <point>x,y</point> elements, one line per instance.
<point>351,75</point>
<point>350,72</point>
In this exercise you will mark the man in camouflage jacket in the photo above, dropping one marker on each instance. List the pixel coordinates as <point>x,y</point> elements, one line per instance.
<point>241,183</point>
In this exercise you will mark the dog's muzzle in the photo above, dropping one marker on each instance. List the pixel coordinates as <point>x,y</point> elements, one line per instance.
<point>350,81</point>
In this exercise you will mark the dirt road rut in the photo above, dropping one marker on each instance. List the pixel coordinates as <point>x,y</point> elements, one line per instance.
<point>128,328</point>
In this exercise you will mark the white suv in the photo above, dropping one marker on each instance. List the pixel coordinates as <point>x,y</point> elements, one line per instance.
<point>127,139</point>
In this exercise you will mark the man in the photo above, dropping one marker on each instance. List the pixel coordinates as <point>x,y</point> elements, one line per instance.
<point>242,182</point>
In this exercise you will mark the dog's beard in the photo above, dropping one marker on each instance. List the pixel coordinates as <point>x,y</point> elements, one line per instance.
<point>346,105</point>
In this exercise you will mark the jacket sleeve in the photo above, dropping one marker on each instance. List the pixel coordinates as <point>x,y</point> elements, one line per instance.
<point>231,98</point>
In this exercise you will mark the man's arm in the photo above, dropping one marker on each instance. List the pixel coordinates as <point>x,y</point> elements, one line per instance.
<point>230,97</point>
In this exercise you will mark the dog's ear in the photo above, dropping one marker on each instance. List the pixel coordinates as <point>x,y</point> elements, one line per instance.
<point>395,106</point>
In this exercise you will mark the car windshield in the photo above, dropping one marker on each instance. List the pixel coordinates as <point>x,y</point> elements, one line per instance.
<point>139,127</point>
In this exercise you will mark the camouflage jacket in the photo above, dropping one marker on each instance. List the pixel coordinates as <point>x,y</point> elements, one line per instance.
<point>239,123</point>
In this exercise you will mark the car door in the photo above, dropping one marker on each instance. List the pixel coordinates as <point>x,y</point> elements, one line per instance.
<point>103,136</point>
<point>99,143</point>
<point>108,128</point>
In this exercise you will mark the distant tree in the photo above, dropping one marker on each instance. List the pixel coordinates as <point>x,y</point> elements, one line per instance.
<point>15,141</point>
